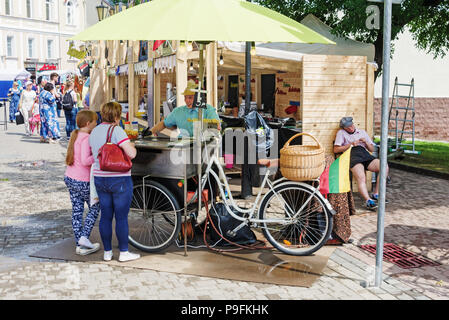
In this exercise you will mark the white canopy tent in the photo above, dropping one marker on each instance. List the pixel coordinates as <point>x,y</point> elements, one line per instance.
<point>295,51</point>
<point>344,46</point>
<point>14,74</point>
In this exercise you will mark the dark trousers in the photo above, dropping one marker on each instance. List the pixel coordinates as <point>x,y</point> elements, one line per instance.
<point>70,121</point>
<point>115,195</point>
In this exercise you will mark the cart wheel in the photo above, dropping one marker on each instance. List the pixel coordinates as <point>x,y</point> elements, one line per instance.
<point>156,227</point>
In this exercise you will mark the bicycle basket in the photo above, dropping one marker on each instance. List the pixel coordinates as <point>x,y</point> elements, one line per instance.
<point>302,162</point>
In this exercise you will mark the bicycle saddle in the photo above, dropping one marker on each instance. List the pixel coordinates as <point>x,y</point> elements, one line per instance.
<point>269,163</point>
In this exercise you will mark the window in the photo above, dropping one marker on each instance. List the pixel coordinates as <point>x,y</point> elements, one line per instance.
<point>70,12</point>
<point>30,48</point>
<point>48,9</point>
<point>50,48</point>
<point>9,46</point>
<point>8,7</point>
<point>28,5</point>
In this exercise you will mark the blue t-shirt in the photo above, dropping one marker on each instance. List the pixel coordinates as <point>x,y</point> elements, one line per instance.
<point>183,117</point>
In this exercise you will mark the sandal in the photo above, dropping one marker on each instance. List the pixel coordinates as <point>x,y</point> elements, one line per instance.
<point>334,242</point>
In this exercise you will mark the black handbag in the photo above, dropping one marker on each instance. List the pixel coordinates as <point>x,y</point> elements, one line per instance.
<point>224,221</point>
<point>19,118</point>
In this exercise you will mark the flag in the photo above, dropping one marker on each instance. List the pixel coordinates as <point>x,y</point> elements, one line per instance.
<point>335,178</point>
<point>157,44</point>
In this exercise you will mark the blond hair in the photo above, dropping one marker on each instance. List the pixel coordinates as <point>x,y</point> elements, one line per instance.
<point>67,86</point>
<point>82,118</point>
<point>111,111</point>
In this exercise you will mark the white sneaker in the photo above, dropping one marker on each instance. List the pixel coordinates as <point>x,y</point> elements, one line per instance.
<point>85,251</point>
<point>84,242</point>
<point>107,256</point>
<point>128,256</point>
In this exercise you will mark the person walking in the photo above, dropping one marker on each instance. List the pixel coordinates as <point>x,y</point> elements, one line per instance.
<point>47,107</point>
<point>14,98</point>
<point>27,99</point>
<point>114,189</point>
<point>79,160</point>
<point>69,105</point>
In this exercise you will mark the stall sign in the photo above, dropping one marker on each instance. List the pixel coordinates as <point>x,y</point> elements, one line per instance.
<point>79,54</point>
<point>123,69</point>
<point>141,68</point>
<point>111,72</point>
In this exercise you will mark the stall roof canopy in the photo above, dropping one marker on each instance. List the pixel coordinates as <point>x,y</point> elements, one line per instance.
<point>13,74</point>
<point>344,46</point>
<point>295,51</point>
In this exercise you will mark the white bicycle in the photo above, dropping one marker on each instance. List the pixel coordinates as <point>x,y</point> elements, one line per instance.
<point>293,216</point>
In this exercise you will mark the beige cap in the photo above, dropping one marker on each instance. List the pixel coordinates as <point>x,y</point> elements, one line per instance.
<point>190,85</point>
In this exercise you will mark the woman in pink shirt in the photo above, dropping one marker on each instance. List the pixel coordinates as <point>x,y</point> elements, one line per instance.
<point>79,160</point>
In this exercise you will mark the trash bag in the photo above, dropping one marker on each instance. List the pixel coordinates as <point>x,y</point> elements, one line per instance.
<point>260,133</point>
<point>223,221</point>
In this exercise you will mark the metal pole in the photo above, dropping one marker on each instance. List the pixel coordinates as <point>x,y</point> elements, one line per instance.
<point>383,141</point>
<point>247,77</point>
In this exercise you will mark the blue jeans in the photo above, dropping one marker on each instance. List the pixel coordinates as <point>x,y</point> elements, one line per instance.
<point>70,121</point>
<point>115,195</point>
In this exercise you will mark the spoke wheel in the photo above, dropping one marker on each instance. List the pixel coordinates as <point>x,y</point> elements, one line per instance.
<point>301,235</point>
<point>155,228</point>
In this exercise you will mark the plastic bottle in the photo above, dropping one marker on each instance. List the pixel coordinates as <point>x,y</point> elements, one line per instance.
<point>135,129</point>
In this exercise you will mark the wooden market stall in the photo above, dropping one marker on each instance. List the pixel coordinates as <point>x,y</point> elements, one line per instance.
<point>315,90</point>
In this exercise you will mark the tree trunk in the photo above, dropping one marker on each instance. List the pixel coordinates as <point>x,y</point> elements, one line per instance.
<point>378,54</point>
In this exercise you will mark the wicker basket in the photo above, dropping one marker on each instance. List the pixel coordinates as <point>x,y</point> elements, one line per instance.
<point>302,162</point>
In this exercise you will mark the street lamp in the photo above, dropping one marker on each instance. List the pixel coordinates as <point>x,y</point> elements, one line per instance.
<point>102,11</point>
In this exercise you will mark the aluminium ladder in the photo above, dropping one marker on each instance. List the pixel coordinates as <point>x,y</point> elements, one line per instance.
<point>403,114</point>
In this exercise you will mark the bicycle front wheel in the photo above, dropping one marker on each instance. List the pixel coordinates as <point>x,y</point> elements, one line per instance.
<point>303,221</point>
<point>156,226</point>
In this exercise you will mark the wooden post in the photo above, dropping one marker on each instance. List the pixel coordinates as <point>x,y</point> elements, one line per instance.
<point>131,95</point>
<point>157,97</point>
<point>211,74</point>
<point>181,76</point>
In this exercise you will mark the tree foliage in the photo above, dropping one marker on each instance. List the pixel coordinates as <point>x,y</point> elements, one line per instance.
<point>427,20</point>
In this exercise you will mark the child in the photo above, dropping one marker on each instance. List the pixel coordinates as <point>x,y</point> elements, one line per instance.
<point>79,160</point>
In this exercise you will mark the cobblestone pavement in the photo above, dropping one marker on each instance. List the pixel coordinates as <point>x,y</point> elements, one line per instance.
<point>35,213</point>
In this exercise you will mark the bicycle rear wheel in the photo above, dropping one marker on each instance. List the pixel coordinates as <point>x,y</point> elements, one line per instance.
<point>156,227</point>
<point>302,235</point>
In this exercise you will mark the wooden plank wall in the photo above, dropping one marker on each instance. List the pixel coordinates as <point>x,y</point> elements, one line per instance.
<point>166,78</point>
<point>333,87</point>
<point>287,86</point>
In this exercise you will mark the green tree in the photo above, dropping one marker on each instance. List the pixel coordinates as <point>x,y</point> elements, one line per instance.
<point>427,20</point>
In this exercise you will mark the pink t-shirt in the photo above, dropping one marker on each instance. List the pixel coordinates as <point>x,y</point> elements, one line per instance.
<point>344,138</point>
<point>83,159</point>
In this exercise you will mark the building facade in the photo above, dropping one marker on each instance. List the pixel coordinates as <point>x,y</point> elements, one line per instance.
<point>34,33</point>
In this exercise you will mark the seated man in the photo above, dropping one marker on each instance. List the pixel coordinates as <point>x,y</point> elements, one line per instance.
<point>183,117</point>
<point>361,159</point>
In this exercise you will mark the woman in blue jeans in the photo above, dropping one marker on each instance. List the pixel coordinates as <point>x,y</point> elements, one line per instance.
<point>115,189</point>
<point>70,116</point>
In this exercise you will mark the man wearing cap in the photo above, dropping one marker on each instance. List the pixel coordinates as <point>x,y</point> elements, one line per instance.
<point>361,159</point>
<point>183,117</point>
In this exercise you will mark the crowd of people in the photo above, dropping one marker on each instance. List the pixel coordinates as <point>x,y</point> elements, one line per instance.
<point>41,102</point>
